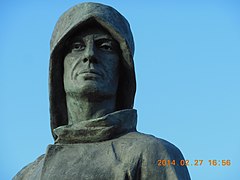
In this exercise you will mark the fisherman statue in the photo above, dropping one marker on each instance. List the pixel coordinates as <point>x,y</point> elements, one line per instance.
<point>92,87</point>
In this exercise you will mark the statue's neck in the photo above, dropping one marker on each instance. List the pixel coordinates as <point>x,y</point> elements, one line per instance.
<point>84,108</point>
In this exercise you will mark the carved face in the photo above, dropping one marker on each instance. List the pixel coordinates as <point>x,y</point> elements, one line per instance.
<point>91,64</point>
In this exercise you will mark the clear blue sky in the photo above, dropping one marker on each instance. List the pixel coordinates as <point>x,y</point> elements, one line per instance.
<point>188,78</point>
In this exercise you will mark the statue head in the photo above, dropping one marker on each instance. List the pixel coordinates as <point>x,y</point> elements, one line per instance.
<point>91,64</point>
<point>92,34</point>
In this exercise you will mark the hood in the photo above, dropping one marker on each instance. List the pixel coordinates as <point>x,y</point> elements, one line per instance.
<point>72,20</point>
<point>100,129</point>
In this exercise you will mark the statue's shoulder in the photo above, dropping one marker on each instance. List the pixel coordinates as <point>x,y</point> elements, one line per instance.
<point>154,152</point>
<point>154,144</point>
<point>31,170</point>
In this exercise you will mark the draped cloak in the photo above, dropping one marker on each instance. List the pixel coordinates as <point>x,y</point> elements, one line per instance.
<point>128,155</point>
<point>109,147</point>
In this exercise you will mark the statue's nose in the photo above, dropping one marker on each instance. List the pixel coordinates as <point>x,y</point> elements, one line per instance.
<point>90,53</point>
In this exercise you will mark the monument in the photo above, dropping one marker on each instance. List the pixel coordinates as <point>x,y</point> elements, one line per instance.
<point>92,87</point>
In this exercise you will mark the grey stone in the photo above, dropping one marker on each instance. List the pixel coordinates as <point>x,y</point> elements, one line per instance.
<point>92,88</point>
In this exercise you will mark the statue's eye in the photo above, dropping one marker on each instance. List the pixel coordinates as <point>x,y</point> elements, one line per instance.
<point>106,46</point>
<point>78,46</point>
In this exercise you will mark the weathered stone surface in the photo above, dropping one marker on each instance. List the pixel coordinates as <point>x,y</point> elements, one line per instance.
<point>92,87</point>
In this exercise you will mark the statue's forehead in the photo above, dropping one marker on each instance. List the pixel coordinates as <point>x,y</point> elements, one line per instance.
<point>94,33</point>
<point>92,36</point>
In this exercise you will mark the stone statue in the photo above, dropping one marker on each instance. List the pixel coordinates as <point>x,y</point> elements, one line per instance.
<point>92,87</point>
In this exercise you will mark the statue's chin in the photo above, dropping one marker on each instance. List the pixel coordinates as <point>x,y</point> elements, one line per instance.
<point>92,92</point>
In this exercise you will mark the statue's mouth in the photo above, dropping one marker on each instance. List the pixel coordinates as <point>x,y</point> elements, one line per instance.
<point>90,74</point>
<point>90,71</point>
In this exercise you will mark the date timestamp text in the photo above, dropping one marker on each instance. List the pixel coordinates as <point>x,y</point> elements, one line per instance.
<point>199,162</point>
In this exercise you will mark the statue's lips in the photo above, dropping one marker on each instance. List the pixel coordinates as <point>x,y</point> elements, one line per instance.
<point>90,73</point>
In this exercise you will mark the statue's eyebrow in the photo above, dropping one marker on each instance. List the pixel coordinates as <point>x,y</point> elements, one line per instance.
<point>96,37</point>
<point>105,37</point>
